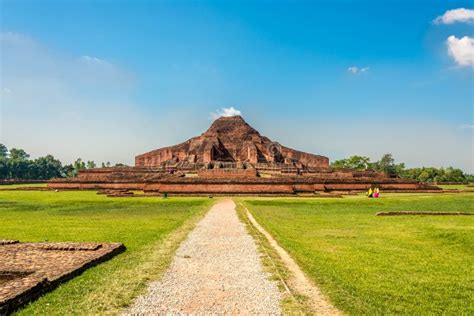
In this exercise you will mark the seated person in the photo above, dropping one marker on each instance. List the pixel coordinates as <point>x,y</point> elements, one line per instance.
<point>370,193</point>
<point>376,193</point>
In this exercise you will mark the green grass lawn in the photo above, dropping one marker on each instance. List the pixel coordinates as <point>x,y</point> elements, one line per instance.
<point>455,187</point>
<point>369,264</point>
<point>150,228</point>
<point>14,186</point>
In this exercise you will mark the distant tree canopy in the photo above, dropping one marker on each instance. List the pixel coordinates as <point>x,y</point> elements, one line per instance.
<point>15,164</point>
<point>354,162</point>
<point>3,151</point>
<point>430,174</point>
<point>387,164</point>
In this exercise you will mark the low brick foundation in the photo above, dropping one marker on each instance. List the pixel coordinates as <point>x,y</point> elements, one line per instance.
<point>246,186</point>
<point>233,181</point>
<point>27,270</point>
<point>401,213</point>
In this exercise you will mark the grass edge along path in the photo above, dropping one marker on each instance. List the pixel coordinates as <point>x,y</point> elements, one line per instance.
<point>292,302</point>
<point>163,254</point>
<point>299,281</point>
<point>114,298</point>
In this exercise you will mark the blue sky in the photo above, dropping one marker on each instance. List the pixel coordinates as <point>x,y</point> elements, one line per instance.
<point>107,80</point>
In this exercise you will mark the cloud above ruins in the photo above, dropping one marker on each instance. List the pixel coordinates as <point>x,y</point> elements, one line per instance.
<point>225,112</point>
<point>460,15</point>
<point>358,70</point>
<point>461,50</point>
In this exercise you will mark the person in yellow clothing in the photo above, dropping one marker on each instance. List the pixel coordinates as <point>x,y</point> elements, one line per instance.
<point>370,193</point>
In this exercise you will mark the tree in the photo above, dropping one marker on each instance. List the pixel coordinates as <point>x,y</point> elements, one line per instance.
<point>91,164</point>
<point>47,168</point>
<point>424,176</point>
<point>18,154</point>
<point>353,162</point>
<point>359,162</point>
<point>18,165</point>
<point>106,165</point>
<point>68,171</point>
<point>469,177</point>
<point>3,151</point>
<point>3,161</point>
<point>3,168</point>
<point>430,174</point>
<point>18,169</point>
<point>454,175</point>
<point>387,165</point>
<point>77,166</point>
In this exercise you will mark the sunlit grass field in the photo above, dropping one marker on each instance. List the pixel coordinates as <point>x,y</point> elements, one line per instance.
<point>456,187</point>
<point>23,185</point>
<point>142,224</point>
<point>368,264</point>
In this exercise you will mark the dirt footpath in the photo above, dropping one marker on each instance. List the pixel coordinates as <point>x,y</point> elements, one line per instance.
<point>216,270</point>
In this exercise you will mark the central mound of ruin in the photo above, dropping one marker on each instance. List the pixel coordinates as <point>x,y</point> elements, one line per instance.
<point>231,157</point>
<point>230,139</point>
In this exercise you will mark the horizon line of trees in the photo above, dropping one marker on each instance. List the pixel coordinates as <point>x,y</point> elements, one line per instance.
<point>387,164</point>
<point>15,164</point>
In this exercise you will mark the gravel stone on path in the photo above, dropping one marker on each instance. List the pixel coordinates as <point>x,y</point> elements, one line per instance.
<point>216,270</point>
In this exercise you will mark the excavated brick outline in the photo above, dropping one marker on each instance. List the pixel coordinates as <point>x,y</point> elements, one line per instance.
<point>401,213</point>
<point>36,277</point>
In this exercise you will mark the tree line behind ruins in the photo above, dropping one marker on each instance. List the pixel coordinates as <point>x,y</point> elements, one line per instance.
<point>15,164</point>
<point>387,164</point>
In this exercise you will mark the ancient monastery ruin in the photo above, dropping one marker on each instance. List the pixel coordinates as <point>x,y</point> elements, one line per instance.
<point>231,157</point>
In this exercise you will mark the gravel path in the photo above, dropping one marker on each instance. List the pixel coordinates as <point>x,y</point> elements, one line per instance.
<point>216,270</point>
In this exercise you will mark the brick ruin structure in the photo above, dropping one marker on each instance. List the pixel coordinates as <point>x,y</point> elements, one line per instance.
<point>231,157</point>
<point>28,270</point>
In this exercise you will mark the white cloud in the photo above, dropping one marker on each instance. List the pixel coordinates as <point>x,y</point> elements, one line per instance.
<point>6,91</point>
<point>467,126</point>
<point>460,15</point>
<point>93,60</point>
<point>12,37</point>
<point>225,112</point>
<point>461,50</point>
<point>357,70</point>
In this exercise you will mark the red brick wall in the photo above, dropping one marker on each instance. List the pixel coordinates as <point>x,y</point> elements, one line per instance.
<point>95,185</point>
<point>367,185</point>
<point>226,173</point>
<point>221,188</point>
<point>306,158</point>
